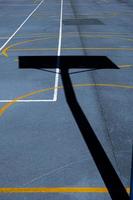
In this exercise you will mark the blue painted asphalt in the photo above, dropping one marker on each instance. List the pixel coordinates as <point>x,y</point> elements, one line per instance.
<point>40,143</point>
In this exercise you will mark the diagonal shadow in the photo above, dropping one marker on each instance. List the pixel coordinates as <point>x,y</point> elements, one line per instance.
<point>108,173</point>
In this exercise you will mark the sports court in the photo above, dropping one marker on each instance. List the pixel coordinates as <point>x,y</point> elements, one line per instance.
<point>43,154</point>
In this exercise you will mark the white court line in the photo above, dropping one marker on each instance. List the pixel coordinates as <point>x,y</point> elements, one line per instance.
<point>58,54</point>
<point>9,39</point>
<point>3,46</point>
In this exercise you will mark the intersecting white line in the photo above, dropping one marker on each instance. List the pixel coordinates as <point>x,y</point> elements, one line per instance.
<point>9,39</point>
<point>58,54</point>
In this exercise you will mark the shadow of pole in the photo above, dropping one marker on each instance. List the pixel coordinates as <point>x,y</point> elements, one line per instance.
<point>108,173</point>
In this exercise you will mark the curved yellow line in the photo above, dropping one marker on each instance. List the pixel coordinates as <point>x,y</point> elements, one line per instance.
<point>7,105</point>
<point>5,50</point>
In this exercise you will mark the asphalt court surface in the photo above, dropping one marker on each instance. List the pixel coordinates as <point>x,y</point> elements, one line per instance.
<point>40,144</point>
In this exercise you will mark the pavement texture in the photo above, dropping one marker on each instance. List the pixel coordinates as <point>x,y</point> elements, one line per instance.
<point>40,143</point>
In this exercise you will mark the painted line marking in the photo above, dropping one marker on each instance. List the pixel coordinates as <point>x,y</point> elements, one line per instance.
<point>9,39</point>
<point>74,48</point>
<point>58,54</point>
<point>57,190</point>
<point>19,99</point>
<point>5,50</point>
<point>16,100</point>
<point>50,36</point>
<point>28,100</point>
<point>125,66</point>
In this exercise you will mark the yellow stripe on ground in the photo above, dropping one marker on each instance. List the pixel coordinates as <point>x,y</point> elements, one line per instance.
<point>6,49</point>
<point>124,66</point>
<point>74,48</point>
<point>57,190</point>
<point>7,105</point>
<point>91,32</point>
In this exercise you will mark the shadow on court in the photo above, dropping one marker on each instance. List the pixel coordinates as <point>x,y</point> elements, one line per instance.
<point>108,173</point>
<point>106,169</point>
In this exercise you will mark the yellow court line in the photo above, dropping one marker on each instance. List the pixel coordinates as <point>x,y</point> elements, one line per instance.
<point>6,49</point>
<point>57,190</point>
<point>74,48</point>
<point>9,104</point>
<point>124,66</point>
<point>110,34</point>
<point>72,32</point>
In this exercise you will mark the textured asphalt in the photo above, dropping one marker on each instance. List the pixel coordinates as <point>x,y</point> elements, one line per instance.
<point>40,143</point>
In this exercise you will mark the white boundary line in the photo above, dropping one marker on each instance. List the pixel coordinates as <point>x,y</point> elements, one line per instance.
<point>2,47</point>
<point>58,54</point>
